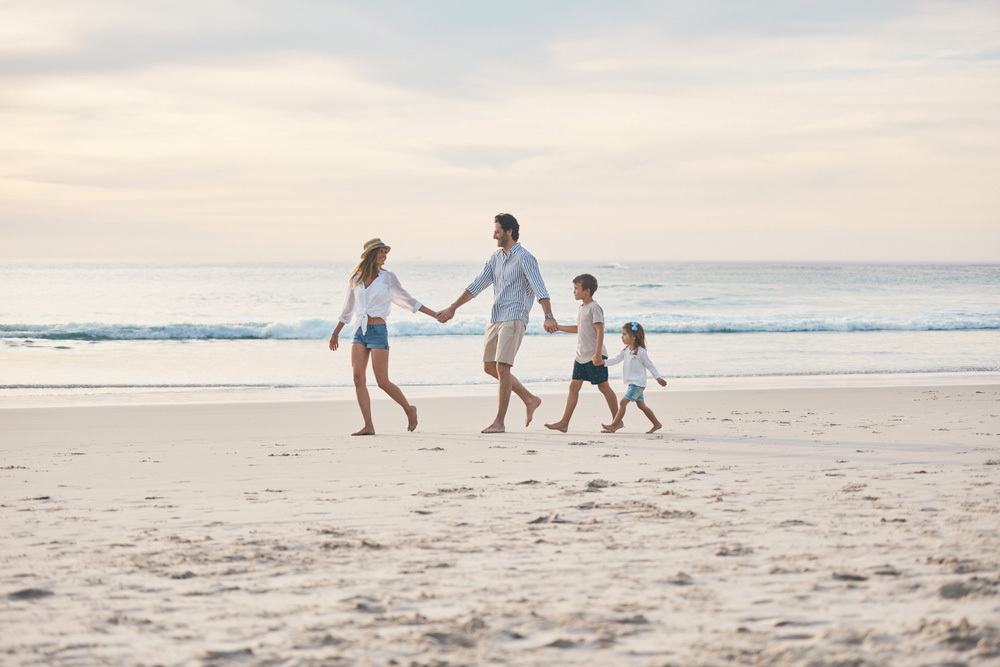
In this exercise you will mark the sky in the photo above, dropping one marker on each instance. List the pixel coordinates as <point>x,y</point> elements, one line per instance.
<point>795,130</point>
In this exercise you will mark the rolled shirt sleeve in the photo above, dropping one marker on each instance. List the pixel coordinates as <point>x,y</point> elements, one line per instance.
<point>534,276</point>
<point>485,278</point>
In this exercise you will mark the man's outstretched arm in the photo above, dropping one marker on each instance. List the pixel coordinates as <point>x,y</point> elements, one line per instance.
<point>446,314</point>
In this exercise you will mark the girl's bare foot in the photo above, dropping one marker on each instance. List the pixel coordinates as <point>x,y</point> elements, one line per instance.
<point>611,428</point>
<point>411,416</point>
<point>656,427</point>
<point>494,428</point>
<point>367,430</point>
<point>558,426</point>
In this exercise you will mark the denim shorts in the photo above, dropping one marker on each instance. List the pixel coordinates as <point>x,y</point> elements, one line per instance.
<point>634,393</point>
<point>377,337</point>
<point>590,372</point>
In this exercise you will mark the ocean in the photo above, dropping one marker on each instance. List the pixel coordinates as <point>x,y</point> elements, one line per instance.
<point>106,333</point>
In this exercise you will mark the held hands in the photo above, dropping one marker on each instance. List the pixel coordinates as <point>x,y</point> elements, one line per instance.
<point>663,383</point>
<point>446,314</point>
<point>551,325</point>
<point>599,360</point>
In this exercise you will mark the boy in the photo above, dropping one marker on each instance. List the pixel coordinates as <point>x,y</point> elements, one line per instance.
<point>590,350</point>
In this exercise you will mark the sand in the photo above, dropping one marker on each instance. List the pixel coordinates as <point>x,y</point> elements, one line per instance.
<point>789,527</point>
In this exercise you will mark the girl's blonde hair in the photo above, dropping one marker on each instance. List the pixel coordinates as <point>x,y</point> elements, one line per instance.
<point>638,334</point>
<point>367,269</point>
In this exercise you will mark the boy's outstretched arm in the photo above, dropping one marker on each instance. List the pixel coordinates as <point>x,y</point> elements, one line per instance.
<point>567,328</point>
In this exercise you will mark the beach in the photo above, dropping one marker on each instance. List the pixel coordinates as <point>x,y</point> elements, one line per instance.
<point>808,526</point>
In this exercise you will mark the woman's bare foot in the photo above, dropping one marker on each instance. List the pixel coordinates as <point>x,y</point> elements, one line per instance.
<point>611,428</point>
<point>656,427</point>
<point>367,430</point>
<point>494,428</point>
<point>558,426</point>
<point>532,405</point>
<point>411,415</point>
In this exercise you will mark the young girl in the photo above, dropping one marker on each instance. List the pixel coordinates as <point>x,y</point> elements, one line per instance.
<point>636,361</point>
<point>371,291</point>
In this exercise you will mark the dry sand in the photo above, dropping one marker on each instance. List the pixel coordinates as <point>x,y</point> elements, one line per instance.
<point>805,527</point>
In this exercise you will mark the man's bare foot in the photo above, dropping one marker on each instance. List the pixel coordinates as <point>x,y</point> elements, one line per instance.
<point>532,405</point>
<point>367,430</point>
<point>656,427</point>
<point>494,428</point>
<point>411,415</point>
<point>558,426</point>
<point>611,428</point>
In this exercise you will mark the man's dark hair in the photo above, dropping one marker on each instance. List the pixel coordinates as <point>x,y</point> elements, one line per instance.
<point>508,223</point>
<point>586,281</point>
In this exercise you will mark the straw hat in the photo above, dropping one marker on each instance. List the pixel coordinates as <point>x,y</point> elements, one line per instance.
<point>372,245</point>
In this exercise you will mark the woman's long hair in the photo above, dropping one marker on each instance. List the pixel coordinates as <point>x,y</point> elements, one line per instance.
<point>637,333</point>
<point>367,269</point>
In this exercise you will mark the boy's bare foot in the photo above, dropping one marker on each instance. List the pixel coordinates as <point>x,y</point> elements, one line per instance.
<point>494,428</point>
<point>558,426</point>
<point>656,427</point>
<point>367,430</point>
<point>611,428</point>
<point>532,405</point>
<point>411,416</point>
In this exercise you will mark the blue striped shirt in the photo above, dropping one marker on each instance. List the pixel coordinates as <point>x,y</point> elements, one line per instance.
<point>517,284</point>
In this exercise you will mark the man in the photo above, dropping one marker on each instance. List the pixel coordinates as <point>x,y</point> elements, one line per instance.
<point>517,283</point>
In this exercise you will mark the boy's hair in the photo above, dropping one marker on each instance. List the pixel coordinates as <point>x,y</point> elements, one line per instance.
<point>638,334</point>
<point>586,281</point>
<point>508,223</point>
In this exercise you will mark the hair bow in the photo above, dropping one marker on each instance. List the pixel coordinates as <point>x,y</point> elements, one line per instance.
<point>635,326</point>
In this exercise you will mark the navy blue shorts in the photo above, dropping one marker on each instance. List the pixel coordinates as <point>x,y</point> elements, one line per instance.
<point>377,337</point>
<point>590,372</point>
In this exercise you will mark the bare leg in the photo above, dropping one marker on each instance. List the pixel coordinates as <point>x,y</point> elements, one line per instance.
<point>649,413</point>
<point>609,396</point>
<point>616,423</point>
<point>571,401</point>
<point>380,364</point>
<point>531,402</point>
<point>359,364</point>
<point>504,388</point>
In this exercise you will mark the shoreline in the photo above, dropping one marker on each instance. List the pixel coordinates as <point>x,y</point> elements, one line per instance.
<point>222,394</point>
<point>786,526</point>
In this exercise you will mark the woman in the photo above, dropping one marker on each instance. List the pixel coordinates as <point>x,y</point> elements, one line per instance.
<point>371,291</point>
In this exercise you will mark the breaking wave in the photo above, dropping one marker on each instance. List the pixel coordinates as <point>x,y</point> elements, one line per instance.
<point>653,323</point>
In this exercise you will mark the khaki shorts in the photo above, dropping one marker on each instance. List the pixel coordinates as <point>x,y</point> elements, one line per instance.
<point>502,341</point>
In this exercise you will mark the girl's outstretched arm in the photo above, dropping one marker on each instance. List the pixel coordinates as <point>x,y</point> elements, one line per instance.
<point>620,357</point>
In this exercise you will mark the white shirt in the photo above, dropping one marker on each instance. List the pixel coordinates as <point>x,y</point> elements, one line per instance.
<point>375,300</point>
<point>517,284</point>
<point>635,365</point>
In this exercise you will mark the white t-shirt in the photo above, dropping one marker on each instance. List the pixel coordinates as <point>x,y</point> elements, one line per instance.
<point>586,335</point>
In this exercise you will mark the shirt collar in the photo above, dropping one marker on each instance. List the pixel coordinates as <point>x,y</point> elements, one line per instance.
<point>515,247</point>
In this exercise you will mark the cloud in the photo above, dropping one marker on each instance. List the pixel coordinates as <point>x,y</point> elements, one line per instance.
<point>249,129</point>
